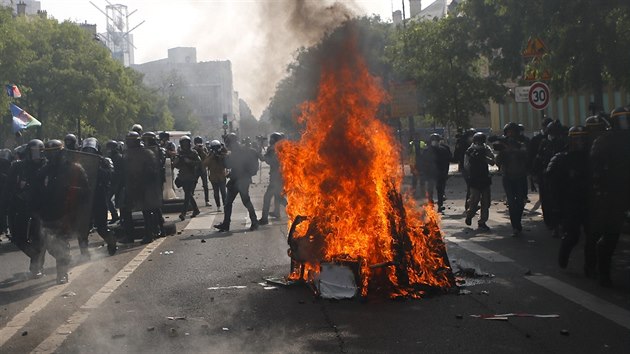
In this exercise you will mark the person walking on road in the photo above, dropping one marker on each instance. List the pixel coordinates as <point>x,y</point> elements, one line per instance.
<point>215,165</point>
<point>274,190</point>
<point>187,161</point>
<point>476,160</point>
<point>243,164</point>
<point>512,160</point>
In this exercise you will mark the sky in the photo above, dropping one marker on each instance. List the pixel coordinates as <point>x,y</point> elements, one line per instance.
<point>257,36</point>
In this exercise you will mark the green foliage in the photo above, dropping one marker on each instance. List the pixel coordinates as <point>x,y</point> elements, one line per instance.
<point>587,40</point>
<point>447,67</point>
<point>66,77</point>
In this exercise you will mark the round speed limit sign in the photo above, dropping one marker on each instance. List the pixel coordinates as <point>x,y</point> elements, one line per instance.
<point>539,95</point>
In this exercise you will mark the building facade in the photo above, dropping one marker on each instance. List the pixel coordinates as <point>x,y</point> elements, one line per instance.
<point>206,86</point>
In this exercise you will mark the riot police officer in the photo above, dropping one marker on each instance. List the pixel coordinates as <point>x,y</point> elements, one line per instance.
<point>532,148</point>
<point>112,152</point>
<point>137,128</point>
<point>215,165</point>
<point>6,158</point>
<point>151,142</point>
<point>71,142</point>
<point>240,160</point>
<point>512,160</point>
<point>188,163</point>
<point>202,172</point>
<point>19,200</point>
<point>443,158</point>
<point>476,161</point>
<point>610,163</point>
<point>568,179</point>
<point>595,127</point>
<point>555,143</point>
<point>101,192</point>
<point>274,189</point>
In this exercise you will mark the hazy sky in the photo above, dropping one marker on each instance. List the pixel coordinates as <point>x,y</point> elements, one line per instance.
<point>255,35</point>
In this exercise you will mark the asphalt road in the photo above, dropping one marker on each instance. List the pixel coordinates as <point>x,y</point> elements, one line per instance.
<point>203,291</point>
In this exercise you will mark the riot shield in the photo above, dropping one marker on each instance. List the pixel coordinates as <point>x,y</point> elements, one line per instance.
<point>143,183</point>
<point>69,194</point>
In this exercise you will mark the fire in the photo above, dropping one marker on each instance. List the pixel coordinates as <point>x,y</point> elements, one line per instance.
<point>343,177</point>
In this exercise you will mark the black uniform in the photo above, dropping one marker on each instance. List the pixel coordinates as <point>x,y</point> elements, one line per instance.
<point>274,190</point>
<point>546,151</point>
<point>512,160</point>
<point>19,199</point>
<point>240,161</point>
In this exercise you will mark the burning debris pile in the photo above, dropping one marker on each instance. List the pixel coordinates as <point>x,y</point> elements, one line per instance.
<point>343,187</point>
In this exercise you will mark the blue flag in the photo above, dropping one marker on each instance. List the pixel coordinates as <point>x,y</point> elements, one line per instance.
<point>21,119</point>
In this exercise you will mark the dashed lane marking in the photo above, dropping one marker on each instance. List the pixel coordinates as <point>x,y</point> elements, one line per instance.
<point>59,335</point>
<point>24,316</point>
<point>487,254</point>
<point>227,287</point>
<point>587,300</point>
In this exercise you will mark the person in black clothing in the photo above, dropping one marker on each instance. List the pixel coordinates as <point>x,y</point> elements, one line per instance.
<point>99,204</point>
<point>443,158</point>
<point>274,190</point>
<point>532,150</point>
<point>188,163</point>
<point>240,161</point>
<point>610,166</point>
<point>18,203</point>
<point>71,142</point>
<point>6,158</point>
<point>476,161</point>
<point>512,160</point>
<point>202,151</point>
<point>568,179</point>
<point>555,143</point>
<point>112,152</point>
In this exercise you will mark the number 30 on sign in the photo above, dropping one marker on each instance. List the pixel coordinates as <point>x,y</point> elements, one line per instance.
<point>539,96</point>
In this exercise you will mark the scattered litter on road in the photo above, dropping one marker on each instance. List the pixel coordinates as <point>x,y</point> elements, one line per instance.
<point>250,328</point>
<point>106,270</point>
<point>529,272</point>
<point>459,317</point>
<point>484,292</point>
<point>464,292</point>
<point>172,332</point>
<point>167,252</point>
<point>279,280</point>
<point>25,333</point>
<point>227,287</point>
<point>68,294</point>
<point>531,241</point>
<point>176,318</point>
<point>64,333</point>
<point>203,241</point>
<point>186,334</point>
<point>118,335</point>
<point>505,316</point>
<point>150,329</point>
<point>225,329</point>
<point>564,332</point>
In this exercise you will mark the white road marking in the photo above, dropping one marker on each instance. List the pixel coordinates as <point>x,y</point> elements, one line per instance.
<point>487,254</point>
<point>201,222</point>
<point>580,297</point>
<point>59,335</point>
<point>24,316</point>
<point>227,287</point>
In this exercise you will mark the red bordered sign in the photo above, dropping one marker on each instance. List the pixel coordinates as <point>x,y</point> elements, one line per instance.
<point>539,95</point>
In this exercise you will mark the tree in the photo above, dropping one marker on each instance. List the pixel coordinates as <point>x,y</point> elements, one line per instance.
<point>587,41</point>
<point>446,65</point>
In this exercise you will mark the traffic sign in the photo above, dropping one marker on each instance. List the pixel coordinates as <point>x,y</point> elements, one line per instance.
<point>539,96</point>
<point>535,48</point>
<point>521,94</point>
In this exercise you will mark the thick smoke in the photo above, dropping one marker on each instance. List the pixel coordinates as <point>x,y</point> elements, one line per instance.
<point>287,25</point>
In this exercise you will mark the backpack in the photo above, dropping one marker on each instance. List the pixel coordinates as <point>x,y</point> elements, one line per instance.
<point>251,162</point>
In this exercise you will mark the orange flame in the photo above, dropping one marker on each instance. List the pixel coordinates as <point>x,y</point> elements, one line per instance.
<point>343,174</point>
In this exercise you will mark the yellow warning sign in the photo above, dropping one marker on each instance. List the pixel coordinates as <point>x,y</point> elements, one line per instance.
<point>535,48</point>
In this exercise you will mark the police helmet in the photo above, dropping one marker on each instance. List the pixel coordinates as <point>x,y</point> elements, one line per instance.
<point>71,142</point>
<point>596,124</point>
<point>555,128</point>
<point>34,150</point>
<point>111,145</point>
<point>545,123</point>
<point>230,139</point>
<point>91,146</point>
<point>215,145</point>
<point>198,140</point>
<point>132,140</point>
<point>479,138</point>
<point>510,127</point>
<point>578,138</point>
<point>20,152</point>
<point>435,137</point>
<point>164,136</point>
<point>521,129</point>
<point>275,137</point>
<point>577,131</point>
<point>620,118</point>
<point>184,142</point>
<point>6,154</point>
<point>136,128</point>
<point>52,149</point>
<point>149,139</point>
